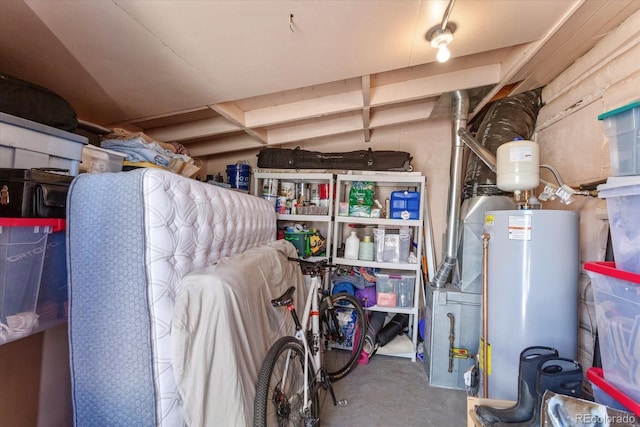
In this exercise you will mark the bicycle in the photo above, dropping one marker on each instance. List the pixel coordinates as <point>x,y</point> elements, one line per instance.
<point>320,352</point>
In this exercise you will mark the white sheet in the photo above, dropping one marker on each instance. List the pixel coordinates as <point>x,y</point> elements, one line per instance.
<point>223,326</point>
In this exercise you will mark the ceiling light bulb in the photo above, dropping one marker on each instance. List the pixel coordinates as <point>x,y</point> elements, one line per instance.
<point>443,54</point>
<point>440,39</point>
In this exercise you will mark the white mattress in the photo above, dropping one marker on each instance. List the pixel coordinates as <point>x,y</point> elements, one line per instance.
<point>132,237</point>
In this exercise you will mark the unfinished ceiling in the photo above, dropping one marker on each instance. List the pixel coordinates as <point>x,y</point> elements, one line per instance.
<point>221,76</point>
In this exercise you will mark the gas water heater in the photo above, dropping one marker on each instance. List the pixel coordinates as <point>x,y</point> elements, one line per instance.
<point>532,290</point>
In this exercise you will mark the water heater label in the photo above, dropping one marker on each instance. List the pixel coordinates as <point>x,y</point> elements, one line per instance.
<point>521,154</point>
<point>520,227</point>
<point>489,219</point>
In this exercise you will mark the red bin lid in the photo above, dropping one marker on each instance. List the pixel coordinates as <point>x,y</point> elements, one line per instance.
<point>609,269</point>
<point>596,376</point>
<point>58,224</point>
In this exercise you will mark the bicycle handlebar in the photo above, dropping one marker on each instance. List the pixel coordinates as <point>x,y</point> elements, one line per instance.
<point>314,266</point>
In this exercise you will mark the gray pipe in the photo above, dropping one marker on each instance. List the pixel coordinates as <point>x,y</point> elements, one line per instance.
<point>460,114</point>
<point>555,172</point>
<point>487,157</point>
<point>447,14</point>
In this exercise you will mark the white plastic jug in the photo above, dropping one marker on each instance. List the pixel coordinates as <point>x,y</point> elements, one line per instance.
<point>352,246</point>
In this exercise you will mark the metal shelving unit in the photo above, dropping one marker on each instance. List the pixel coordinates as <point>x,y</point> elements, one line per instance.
<point>324,223</point>
<point>385,182</point>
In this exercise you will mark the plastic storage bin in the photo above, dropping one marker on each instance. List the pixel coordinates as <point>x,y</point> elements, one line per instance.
<point>623,204</point>
<point>96,159</point>
<point>53,297</point>
<point>607,394</point>
<point>405,205</point>
<point>25,144</point>
<point>22,247</point>
<point>617,298</point>
<point>394,289</point>
<point>392,245</point>
<point>622,127</point>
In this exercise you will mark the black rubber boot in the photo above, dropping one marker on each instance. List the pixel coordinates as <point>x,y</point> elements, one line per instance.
<point>530,360</point>
<point>559,375</point>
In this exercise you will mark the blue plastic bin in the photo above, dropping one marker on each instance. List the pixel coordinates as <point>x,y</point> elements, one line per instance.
<point>405,205</point>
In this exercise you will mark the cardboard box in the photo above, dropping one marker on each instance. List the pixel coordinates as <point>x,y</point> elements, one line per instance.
<point>472,419</point>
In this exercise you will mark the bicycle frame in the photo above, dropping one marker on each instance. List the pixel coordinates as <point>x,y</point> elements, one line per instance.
<point>281,395</point>
<point>311,311</point>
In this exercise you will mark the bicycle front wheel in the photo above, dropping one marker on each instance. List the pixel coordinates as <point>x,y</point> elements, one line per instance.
<point>343,327</point>
<point>279,399</point>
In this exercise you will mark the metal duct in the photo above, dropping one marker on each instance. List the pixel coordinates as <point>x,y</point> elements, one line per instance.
<point>460,112</point>
<point>487,157</point>
<point>505,120</point>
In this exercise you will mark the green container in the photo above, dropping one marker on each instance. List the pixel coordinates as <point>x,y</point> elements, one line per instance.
<point>299,240</point>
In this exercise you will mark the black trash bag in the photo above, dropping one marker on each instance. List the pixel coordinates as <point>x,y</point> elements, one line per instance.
<point>396,325</point>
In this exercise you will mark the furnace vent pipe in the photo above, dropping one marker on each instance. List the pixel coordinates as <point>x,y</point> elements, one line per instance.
<point>487,157</point>
<point>460,112</point>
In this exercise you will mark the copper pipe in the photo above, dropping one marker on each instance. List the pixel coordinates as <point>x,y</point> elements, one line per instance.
<point>485,313</point>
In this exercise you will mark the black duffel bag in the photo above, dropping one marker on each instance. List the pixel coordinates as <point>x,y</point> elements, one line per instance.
<point>383,160</point>
<point>36,103</point>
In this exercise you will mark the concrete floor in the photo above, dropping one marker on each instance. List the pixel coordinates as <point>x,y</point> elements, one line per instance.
<point>393,392</point>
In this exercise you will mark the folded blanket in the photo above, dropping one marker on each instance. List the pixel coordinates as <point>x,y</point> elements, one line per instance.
<point>138,150</point>
<point>139,147</point>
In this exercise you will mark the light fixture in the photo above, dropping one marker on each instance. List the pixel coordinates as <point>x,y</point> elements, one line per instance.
<point>440,40</point>
<point>441,35</point>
